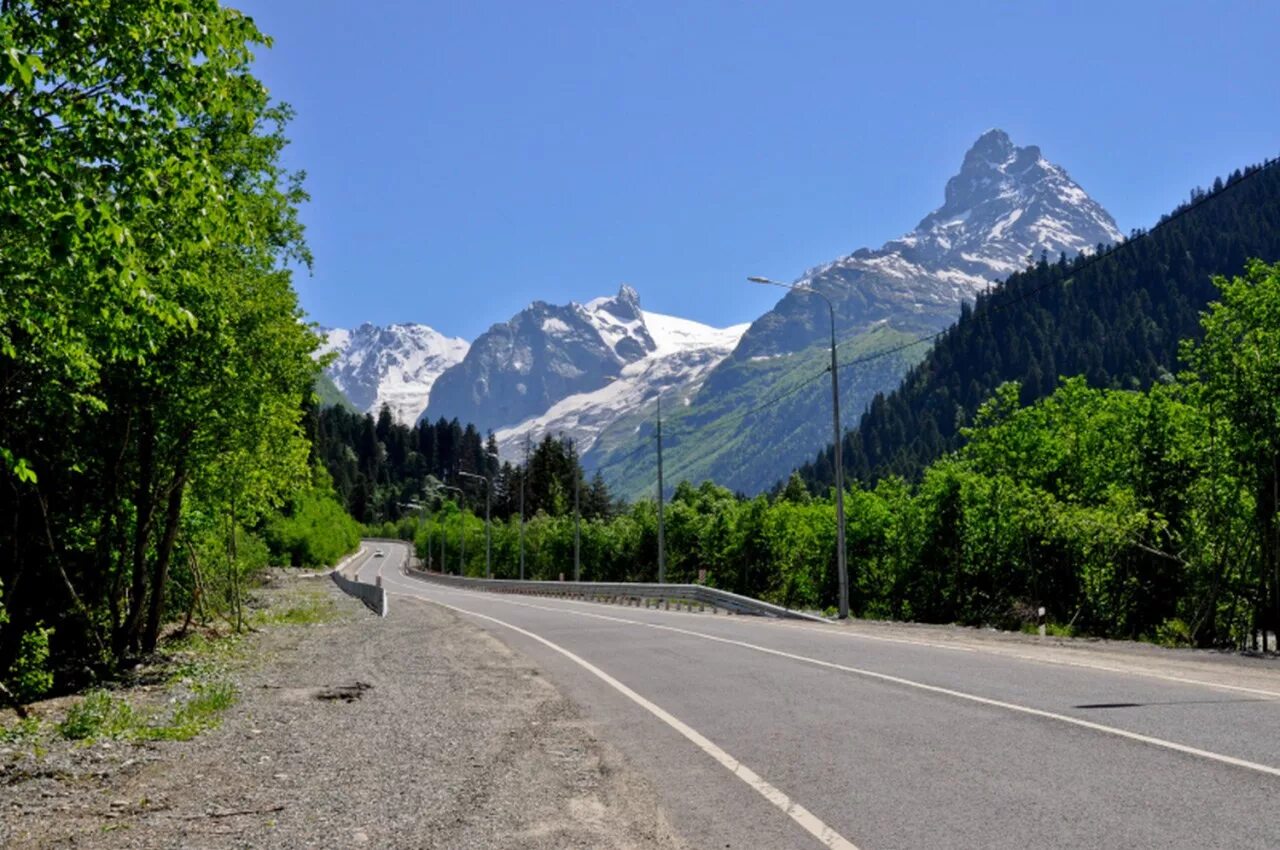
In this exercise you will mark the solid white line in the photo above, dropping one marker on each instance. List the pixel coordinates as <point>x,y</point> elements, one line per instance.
<point>1063,662</point>
<point>807,820</point>
<point>898,680</point>
<point>1000,652</point>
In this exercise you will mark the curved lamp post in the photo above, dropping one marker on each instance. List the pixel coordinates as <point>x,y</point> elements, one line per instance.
<point>841,565</point>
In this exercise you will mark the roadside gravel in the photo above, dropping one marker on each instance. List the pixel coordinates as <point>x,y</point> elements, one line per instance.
<point>414,731</point>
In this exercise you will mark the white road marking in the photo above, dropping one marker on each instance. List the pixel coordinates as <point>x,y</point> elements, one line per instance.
<point>807,820</point>
<point>910,683</point>
<point>1022,656</point>
<point>981,650</point>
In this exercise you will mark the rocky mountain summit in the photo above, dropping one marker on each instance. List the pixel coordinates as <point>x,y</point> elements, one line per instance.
<point>1005,207</point>
<point>519,369</point>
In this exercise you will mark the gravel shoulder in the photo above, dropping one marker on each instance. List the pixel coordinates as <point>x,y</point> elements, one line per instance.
<point>415,731</point>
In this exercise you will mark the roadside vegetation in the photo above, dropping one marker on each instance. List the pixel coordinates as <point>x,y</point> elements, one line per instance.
<point>155,370</point>
<point>1135,514</point>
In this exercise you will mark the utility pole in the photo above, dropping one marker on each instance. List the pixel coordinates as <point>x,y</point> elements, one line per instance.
<point>841,564</point>
<point>577,513</point>
<point>662,537</point>
<point>524,483</point>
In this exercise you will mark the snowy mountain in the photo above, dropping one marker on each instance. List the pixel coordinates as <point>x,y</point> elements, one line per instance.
<point>1005,207</point>
<point>518,369</point>
<point>682,354</point>
<point>396,365</point>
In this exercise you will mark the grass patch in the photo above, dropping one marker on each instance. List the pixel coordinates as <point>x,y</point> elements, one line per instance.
<point>314,609</point>
<point>201,711</point>
<point>1050,630</point>
<point>21,732</point>
<point>100,715</point>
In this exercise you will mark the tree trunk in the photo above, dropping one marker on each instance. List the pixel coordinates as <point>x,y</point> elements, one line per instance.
<point>173,518</point>
<point>144,499</point>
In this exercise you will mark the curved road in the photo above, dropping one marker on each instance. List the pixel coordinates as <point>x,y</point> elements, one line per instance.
<point>764,734</point>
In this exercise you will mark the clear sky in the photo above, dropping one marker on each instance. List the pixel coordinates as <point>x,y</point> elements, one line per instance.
<point>466,158</point>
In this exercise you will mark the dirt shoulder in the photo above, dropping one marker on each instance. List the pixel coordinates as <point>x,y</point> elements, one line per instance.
<point>415,731</point>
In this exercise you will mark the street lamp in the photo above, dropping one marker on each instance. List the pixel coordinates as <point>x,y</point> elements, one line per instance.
<point>841,565</point>
<point>577,510</point>
<point>421,508</point>
<point>662,538</point>
<point>462,532</point>
<point>488,504</point>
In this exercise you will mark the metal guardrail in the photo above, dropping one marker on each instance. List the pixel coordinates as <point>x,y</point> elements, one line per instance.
<point>695,593</point>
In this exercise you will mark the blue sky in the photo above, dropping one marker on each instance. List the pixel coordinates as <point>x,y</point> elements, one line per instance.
<point>466,158</point>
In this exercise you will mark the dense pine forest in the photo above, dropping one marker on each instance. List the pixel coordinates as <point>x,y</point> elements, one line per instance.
<point>383,470</point>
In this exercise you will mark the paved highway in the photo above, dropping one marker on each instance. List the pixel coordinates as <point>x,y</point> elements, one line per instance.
<point>764,734</point>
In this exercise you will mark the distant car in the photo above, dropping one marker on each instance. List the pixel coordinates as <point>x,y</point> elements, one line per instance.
<point>379,553</point>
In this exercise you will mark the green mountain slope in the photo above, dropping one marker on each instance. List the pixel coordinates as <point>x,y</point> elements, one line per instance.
<point>760,418</point>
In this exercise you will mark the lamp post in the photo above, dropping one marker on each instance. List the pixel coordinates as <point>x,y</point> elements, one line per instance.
<point>462,532</point>
<point>421,508</point>
<point>577,509</point>
<point>488,505</point>
<point>841,565</point>
<point>524,485</point>
<point>662,537</point>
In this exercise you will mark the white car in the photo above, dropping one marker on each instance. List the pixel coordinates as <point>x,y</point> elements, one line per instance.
<point>378,553</point>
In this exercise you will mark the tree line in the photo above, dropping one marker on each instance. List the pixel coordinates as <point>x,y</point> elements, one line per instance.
<point>383,470</point>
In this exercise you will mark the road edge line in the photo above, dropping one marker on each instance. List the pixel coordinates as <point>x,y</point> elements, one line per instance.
<point>807,821</point>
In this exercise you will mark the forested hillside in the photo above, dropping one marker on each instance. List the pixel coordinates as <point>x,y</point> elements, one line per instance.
<point>383,470</point>
<point>1116,319</point>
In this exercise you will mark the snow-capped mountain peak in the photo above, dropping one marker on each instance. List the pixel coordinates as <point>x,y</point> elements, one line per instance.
<point>1006,206</point>
<point>681,355</point>
<point>396,365</point>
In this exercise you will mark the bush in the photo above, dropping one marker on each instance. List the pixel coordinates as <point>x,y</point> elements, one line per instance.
<point>314,532</point>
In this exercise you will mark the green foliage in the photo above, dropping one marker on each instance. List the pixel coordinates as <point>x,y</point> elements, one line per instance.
<point>1136,514</point>
<point>29,676</point>
<point>312,530</point>
<point>101,715</point>
<point>98,715</point>
<point>154,364</point>
<point>1117,322</point>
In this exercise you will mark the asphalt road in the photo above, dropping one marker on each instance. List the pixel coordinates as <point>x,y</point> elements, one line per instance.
<point>765,734</point>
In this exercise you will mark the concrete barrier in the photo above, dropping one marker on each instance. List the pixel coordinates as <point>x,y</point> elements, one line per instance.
<point>371,595</point>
